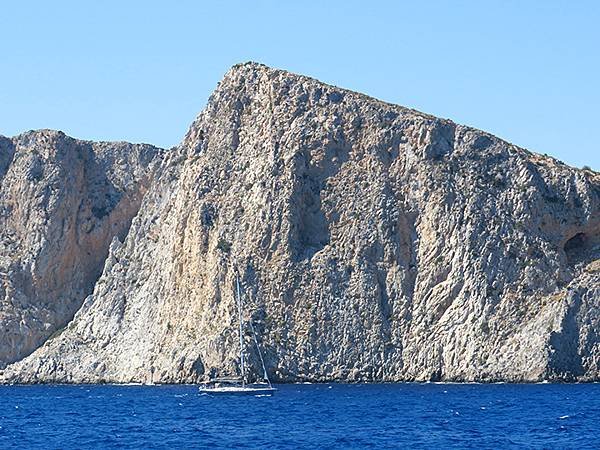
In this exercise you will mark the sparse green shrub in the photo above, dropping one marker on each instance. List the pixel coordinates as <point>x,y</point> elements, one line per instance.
<point>224,245</point>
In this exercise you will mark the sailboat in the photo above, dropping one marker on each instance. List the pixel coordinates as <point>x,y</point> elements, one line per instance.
<point>238,385</point>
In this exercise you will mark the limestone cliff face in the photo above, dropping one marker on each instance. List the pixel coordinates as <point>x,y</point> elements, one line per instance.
<point>61,202</point>
<point>374,243</point>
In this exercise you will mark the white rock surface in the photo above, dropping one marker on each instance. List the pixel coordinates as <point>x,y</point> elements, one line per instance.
<point>374,242</point>
<point>61,203</point>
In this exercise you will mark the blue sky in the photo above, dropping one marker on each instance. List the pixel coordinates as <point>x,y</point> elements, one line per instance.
<point>527,71</point>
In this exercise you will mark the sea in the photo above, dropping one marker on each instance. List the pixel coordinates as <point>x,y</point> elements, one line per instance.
<point>298,416</point>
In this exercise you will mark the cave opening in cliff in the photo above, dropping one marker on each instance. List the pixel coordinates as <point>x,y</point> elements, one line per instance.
<point>575,247</point>
<point>583,246</point>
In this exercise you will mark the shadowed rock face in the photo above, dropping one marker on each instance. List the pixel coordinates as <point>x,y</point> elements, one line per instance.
<point>61,203</point>
<point>374,243</point>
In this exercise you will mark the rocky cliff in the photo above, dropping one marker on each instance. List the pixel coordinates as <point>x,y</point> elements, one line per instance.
<point>374,242</point>
<point>61,203</point>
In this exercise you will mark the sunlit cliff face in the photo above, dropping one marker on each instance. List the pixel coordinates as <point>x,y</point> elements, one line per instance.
<point>374,242</point>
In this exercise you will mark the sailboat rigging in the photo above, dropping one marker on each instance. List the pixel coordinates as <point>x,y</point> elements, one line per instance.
<point>239,386</point>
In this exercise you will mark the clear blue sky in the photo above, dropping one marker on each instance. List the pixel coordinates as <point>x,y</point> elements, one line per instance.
<point>527,71</point>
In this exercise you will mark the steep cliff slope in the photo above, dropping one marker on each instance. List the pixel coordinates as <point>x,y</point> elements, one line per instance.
<point>61,202</point>
<point>374,243</point>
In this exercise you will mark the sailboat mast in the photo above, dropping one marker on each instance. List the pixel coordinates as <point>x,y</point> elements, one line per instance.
<point>239,302</point>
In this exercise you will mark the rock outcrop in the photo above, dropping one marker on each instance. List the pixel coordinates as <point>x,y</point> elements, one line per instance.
<point>374,242</point>
<point>61,203</point>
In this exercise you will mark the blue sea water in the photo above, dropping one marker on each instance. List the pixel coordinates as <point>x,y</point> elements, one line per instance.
<point>303,416</point>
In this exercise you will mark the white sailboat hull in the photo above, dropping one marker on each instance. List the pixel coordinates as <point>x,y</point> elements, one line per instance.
<point>239,390</point>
